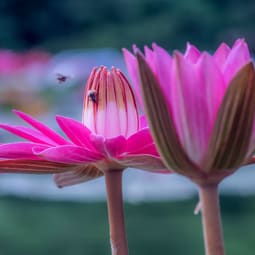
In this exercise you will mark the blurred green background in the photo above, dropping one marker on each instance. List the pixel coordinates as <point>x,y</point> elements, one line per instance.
<point>61,24</point>
<point>39,227</point>
<point>42,227</point>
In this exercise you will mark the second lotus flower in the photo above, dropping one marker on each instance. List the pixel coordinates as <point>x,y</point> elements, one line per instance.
<point>201,110</point>
<point>200,107</point>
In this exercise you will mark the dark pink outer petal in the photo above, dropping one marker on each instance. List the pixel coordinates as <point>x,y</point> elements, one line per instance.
<point>115,146</point>
<point>33,166</point>
<point>20,150</point>
<point>76,131</point>
<point>79,174</point>
<point>145,162</point>
<point>42,128</point>
<point>28,133</point>
<point>138,141</point>
<point>69,154</point>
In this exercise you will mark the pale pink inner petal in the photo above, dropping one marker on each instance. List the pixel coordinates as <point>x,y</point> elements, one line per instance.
<point>89,119</point>
<point>133,119</point>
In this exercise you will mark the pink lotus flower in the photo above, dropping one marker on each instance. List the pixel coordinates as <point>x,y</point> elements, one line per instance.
<point>200,106</point>
<point>201,110</point>
<point>112,135</point>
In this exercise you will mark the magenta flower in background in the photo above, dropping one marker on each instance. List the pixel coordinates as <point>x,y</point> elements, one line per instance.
<point>200,108</point>
<point>111,137</point>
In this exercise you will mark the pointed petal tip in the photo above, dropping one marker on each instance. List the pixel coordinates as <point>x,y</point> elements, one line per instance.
<point>154,45</point>
<point>135,48</point>
<point>239,41</point>
<point>177,54</point>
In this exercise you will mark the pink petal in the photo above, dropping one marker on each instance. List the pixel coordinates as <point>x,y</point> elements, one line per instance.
<point>139,140</point>
<point>190,110</point>
<point>237,58</point>
<point>149,149</point>
<point>132,67</point>
<point>98,143</point>
<point>28,133</point>
<point>20,150</point>
<point>163,66</point>
<point>145,162</point>
<point>115,146</point>
<point>211,88</point>
<point>78,175</point>
<point>67,154</point>
<point>76,131</point>
<point>32,166</point>
<point>192,53</point>
<point>150,59</point>
<point>221,55</point>
<point>42,128</point>
<point>143,122</point>
<point>131,110</point>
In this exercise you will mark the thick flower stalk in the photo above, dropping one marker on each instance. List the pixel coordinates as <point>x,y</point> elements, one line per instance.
<point>111,137</point>
<point>200,109</point>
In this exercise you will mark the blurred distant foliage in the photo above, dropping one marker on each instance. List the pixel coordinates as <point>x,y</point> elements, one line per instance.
<point>69,228</point>
<point>61,24</point>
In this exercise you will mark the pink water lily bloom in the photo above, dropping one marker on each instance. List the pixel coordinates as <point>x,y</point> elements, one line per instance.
<point>111,136</point>
<point>200,107</point>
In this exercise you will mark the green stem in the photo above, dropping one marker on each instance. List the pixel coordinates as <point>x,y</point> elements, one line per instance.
<point>212,227</point>
<point>113,180</point>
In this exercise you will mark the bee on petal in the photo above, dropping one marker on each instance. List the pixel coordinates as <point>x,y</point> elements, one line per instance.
<point>92,94</point>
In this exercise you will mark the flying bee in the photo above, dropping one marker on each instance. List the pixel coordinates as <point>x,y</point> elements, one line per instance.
<point>92,94</point>
<point>61,78</point>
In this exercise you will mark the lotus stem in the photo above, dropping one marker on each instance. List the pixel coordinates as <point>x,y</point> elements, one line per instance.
<point>118,238</point>
<point>211,219</point>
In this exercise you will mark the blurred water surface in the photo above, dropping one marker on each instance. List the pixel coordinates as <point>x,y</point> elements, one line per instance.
<point>138,186</point>
<point>29,83</point>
